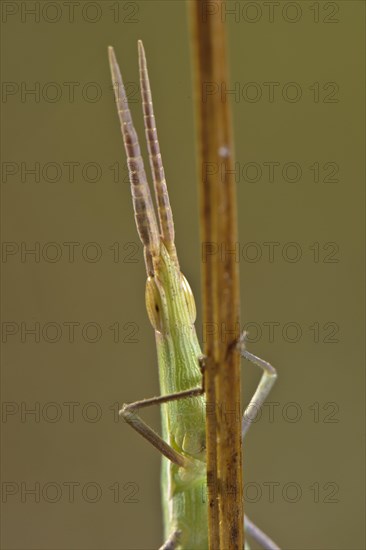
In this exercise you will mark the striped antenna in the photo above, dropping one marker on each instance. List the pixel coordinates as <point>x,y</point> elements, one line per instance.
<point>156,164</point>
<point>146,223</point>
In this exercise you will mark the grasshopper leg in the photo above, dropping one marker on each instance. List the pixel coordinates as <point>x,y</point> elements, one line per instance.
<point>269,377</point>
<point>172,542</point>
<point>258,535</point>
<point>129,415</point>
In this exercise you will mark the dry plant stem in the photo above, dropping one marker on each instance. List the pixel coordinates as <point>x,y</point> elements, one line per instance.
<point>220,281</point>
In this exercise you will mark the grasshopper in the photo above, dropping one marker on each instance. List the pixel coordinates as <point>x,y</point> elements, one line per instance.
<point>172,312</point>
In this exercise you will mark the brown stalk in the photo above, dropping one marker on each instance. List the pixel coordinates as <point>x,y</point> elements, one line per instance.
<point>220,278</point>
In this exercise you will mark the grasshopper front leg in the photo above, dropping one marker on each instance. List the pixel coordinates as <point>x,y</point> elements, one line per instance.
<point>265,385</point>
<point>173,541</point>
<point>128,414</point>
<point>257,534</point>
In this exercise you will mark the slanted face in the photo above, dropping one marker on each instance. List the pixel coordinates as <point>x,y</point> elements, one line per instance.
<point>169,299</point>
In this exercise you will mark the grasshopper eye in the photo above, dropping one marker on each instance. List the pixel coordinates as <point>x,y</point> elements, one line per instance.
<point>153,304</point>
<point>188,294</point>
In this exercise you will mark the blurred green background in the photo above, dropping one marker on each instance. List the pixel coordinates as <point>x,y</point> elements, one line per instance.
<point>297,72</point>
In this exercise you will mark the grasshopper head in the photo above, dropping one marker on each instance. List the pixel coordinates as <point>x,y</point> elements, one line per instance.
<point>169,299</point>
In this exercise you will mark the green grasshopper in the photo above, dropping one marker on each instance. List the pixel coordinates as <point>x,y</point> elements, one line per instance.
<point>172,312</point>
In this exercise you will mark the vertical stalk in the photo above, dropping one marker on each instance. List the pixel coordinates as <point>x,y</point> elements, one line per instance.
<point>220,278</point>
